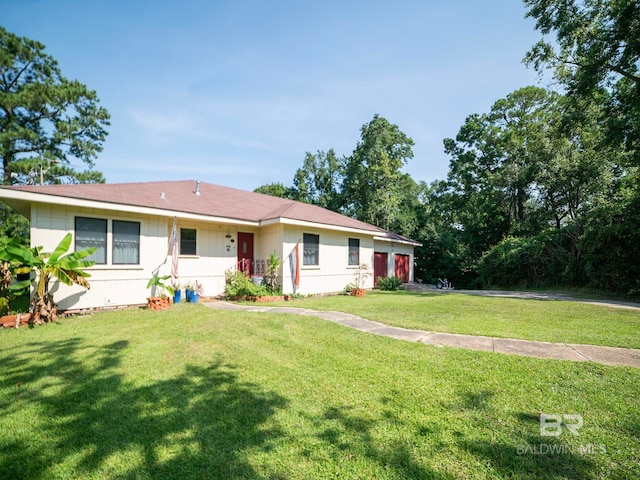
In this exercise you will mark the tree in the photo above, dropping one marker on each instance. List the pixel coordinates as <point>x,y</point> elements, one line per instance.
<point>318,180</point>
<point>597,48</point>
<point>67,268</point>
<point>276,189</point>
<point>496,160</point>
<point>371,185</point>
<point>46,121</point>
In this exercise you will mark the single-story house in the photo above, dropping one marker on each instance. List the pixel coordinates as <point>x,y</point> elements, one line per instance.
<point>217,229</point>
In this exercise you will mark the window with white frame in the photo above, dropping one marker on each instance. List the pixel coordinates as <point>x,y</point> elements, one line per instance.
<point>311,249</point>
<point>126,243</point>
<point>125,240</point>
<point>354,251</point>
<point>92,232</point>
<point>188,241</point>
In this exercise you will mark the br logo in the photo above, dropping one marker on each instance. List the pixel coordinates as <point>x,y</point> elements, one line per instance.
<point>552,424</point>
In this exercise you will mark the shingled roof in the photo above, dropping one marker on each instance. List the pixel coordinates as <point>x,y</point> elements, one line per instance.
<point>210,200</point>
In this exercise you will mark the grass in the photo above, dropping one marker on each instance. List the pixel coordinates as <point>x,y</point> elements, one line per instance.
<point>542,320</point>
<point>193,392</point>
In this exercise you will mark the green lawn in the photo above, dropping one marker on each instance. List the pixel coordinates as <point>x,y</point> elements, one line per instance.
<point>199,393</point>
<point>547,321</point>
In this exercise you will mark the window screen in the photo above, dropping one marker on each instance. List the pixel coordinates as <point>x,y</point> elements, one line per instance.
<point>354,251</point>
<point>311,249</point>
<point>126,243</point>
<point>187,241</point>
<point>92,232</point>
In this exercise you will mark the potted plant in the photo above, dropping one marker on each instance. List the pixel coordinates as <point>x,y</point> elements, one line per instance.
<point>271,274</point>
<point>361,275</point>
<point>188,292</point>
<point>157,285</point>
<point>196,292</point>
<point>177,292</point>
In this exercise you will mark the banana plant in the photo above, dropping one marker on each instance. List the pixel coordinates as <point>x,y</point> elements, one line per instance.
<point>12,264</point>
<point>67,268</point>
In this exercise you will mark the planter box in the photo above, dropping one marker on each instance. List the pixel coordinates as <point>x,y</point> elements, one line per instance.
<point>158,303</point>
<point>358,292</point>
<point>9,321</point>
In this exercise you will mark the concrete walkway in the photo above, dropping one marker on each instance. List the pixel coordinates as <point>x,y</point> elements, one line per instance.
<point>416,287</point>
<point>560,351</point>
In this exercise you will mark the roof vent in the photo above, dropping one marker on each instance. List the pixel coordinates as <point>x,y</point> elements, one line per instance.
<point>197,192</point>
<point>162,195</point>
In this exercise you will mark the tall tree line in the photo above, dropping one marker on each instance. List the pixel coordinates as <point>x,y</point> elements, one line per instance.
<point>368,184</point>
<point>542,190</point>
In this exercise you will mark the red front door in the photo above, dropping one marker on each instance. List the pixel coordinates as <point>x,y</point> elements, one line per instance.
<point>245,252</point>
<point>402,267</point>
<point>379,266</point>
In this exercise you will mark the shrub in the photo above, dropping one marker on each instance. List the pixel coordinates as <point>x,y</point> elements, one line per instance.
<point>547,259</point>
<point>389,283</point>
<point>271,275</point>
<point>239,286</point>
<point>611,246</point>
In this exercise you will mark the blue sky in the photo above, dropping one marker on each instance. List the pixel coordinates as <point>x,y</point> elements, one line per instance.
<point>235,92</point>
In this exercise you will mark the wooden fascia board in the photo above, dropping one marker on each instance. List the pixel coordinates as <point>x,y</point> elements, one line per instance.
<point>35,198</point>
<point>315,225</point>
<point>396,240</point>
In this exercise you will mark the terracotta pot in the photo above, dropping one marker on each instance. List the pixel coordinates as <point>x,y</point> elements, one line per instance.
<point>358,292</point>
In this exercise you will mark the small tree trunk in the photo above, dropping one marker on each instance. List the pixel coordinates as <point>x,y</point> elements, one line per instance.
<point>42,307</point>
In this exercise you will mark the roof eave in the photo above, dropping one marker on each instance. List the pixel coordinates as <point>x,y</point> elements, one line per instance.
<point>407,241</point>
<point>309,224</point>
<point>25,198</point>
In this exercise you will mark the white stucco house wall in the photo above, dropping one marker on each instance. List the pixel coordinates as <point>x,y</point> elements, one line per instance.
<point>219,228</point>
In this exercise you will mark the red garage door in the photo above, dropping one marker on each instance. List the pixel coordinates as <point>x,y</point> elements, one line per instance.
<point>402,267</point>
<point>380,262</point>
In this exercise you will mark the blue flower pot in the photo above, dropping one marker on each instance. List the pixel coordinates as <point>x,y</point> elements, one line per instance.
<point>177,296</point>
<point>188,295</point>
<point>194,297</point>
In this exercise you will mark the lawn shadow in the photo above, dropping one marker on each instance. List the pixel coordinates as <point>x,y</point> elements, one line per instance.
<point>515,452</point>
<point>352,434</point>
<point>533,456</point>
<point>200,423</point>
<point>533,459</point>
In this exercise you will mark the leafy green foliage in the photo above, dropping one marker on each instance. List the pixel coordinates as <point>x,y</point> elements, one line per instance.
<point>67,268</point>
<point>158,283</point>
<point>46,121</point>
<point>276,190</point>
<point>611,243</point>
<point>596,49</point>
<point>549,259</point>
<point>372,178</point>
<point>13,225</point>
<point>318,181</point>
<point>389,283</point>
<point>238,286</point>
<point>12,265</point>
<point>272,275</point>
